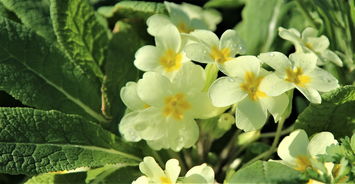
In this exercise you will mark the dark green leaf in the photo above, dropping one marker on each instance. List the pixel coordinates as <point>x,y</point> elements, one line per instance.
<point>27,57</point>
<point>112,174</point>
<point>80,33</point>
<point>133,9</point>
<point>33,14</point>
<point>266,172</point>
<point>35,141</point>
<point>224,3</point>
<point>53,178</point>
<point>119,68</point>
<point>335,114</point>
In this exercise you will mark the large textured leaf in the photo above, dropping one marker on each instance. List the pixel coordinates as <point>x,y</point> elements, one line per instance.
<point>119,68</point>
<point>111,174</point>
<point>133,9</point>
<point>27,57</point>
<point>258,28</point>
<point>34,14</point>
<point>335,114</point>
<point>54,178</point>
<point>80,34</point>
<point>266,172</point>
<point>35,141</point>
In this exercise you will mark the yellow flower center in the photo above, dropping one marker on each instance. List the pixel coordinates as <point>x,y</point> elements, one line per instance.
<point>165,180</point>
<point>309,45</point>
<point>296,76</point>
<point>251,86</point>
<point>302,163</point>
<point>145,106</point>
<point>171,60</point>
<point>183,28</point>
<point>220,55</point>
<point>175,106</point>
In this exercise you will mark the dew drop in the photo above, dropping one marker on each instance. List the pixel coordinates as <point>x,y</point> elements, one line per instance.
<point>180,139</point>
<point>230,79</point>
<point>272,54</point>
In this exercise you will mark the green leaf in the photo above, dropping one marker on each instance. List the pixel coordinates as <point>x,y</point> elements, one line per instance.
<point>335,114</point>
<point>266,172</point>
<point>119,68</point>
<point>80,33</point>
<point>224,3</point>
<point>260,20</point>
<point>133,9</point>
<point>36,141</point>
<point>29,55</point>
<point>33,14</point>
<point>54,178</point>
<point>111,174</point>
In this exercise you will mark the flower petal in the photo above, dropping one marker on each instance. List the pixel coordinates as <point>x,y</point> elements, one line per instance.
<point>147,58</point>
<point>168,38</point>
<point>277,61</point>
<point>242,64</point>
<point>319,143</point>
<point>276,105</point>
<point>311,94</point>
<point>293,146</point>
<point>156,23</point>
<point>130,97</point>
<point>202,170</point>
<point>230,39</point>
<point>172,169</point>
<point>150,168</point>
<point>250,115</point>
<point>331,56</point>
<point>226,91</point>
<point>322,80</point>
<point>291,35</point>
<point>127,127</point>
<point>309,32</point>
<point>206,37</point>
<point>141,180</point>
<point>202,107</point>
<point>307,62</point>
<point>272,85</point>
<point>198,52</point>
<point>152,88</point>
<point>317,44</point>
<point>176,134</point>
<point>190,78</point>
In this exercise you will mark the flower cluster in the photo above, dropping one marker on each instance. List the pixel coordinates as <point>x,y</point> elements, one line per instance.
<point>174,91</point>
<point>154,174</point>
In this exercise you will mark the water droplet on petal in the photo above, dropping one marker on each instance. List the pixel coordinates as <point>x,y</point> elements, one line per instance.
<point>180,139</point>
<point>272,54</point>
<point>230,79</point>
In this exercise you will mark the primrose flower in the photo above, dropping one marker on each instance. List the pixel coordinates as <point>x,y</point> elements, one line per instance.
<point>309,42</point>
<point>166,57</point>
<point>184,18</point>
<point>171,107</point>
<point>153,174</point>
<point>245,86</point>
<point>297,151</point>
<point>298,71</point>
<point>130,97</point>
<point>210,49</point>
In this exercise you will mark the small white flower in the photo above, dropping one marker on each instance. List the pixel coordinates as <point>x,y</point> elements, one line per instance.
<point>173,104</point>
<point>166,57</point>
<point>309,42</point>
<point>296,150</point>
<point>208,48</point>
<point>185,17</point>
<point>298,71</point>
<point>153,174</point>
<point>245,86</point>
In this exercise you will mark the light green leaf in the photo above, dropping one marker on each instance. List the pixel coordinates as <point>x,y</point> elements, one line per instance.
<point>260,20</point>
<point>54,178</point>
<point>224,3</point>
<point>29,55</point>
<point>266,172</point>
<point>133,9</point>
<point>110,174</point>
<point>36,141</point>
<point>119,68</point>
<point>33,14</point>
<point>80,33</point>
<point>335,114</point>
